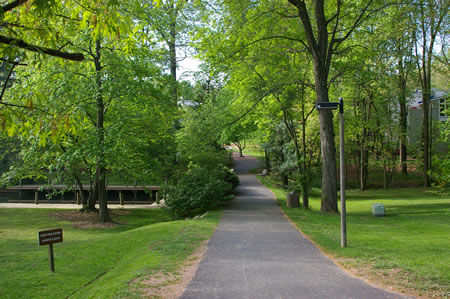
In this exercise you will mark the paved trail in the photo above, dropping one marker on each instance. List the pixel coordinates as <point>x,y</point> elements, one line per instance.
<point>256,253</point>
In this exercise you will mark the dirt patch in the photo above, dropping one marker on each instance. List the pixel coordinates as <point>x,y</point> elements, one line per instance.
<point>89,219</point>
<point>394,280</point>
<point>170,285</point>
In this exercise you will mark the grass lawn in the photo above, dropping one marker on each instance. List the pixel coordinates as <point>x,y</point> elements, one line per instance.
<point>409,249</point>
<point>96,262</point>
<point>251,150</point>
<point>255,151</point>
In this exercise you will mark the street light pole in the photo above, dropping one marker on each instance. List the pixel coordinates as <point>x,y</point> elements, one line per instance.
<point>334,106</point>
<point>342,175</point>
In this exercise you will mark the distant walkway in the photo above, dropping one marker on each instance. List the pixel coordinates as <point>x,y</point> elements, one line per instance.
<point>256,253</point>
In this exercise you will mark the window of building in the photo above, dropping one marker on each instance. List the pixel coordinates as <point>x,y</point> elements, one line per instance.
<point>443,109</point>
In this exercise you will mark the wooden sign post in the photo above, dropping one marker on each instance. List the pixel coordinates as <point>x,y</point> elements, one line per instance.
<point>48,237</point>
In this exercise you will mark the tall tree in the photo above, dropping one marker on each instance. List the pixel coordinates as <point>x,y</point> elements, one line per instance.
<point>431,15</point>
<point>107,113</point>
<point>398,44</point>
<point>167,22</point>
<point>327,26</point>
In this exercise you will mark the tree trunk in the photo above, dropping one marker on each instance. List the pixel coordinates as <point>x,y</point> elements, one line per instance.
<point>322,64</point>
<point>403,116</point>
<point>357,159</point>
<point>322,44</point>
<point>93,195</point>
<point>364,161</point>
<point>364,168</point>
<point>100,169</point>
<point>267,159</point>
<point>102,195</point>
<point>173,69</point>
<point>285,179</point>
<point>173,14</point>
<point>329,174</point>
<point>432,15</point>
<point>241,147</point>
<point>426,136</point>
<point>305,200</point>
<point>82,195</point>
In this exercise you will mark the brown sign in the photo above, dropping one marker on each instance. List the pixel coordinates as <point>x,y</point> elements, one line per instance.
<point>50,236</point>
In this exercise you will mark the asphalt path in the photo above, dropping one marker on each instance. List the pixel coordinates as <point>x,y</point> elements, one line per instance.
<point>256,253</point>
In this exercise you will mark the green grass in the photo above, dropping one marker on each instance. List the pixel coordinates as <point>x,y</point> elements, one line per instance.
<point>251,150</point>
<point>255,151</point>
<point>410,247</point>
<point>93,262</point>
<point>414,178</point>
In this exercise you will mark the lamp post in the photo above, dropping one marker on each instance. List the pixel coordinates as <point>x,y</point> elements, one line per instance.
<point>334,106</point>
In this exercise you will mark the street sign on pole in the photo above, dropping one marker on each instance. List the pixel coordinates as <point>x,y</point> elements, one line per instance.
<point>327,105</point>
<point>48,237</point>
<point>342,175</point>
<point>334,106</point>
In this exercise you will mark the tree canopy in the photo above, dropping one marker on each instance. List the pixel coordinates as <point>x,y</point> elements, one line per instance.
<point>90,89</point>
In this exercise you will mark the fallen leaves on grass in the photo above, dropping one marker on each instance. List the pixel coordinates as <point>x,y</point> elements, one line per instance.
<point>86,220</point>
<point>394,279</point>
<point>170,285</point>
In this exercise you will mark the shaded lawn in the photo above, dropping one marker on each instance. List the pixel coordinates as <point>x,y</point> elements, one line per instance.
<point>93,262</point>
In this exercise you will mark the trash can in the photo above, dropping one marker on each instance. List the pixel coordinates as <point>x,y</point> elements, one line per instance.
<point>292,200</point>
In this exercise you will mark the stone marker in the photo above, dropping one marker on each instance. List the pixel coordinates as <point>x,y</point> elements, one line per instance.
<point>378,210</point>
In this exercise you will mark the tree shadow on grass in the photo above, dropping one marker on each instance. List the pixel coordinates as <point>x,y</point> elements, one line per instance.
<point>395,194</point>
<point>436,208</point>
<point>413,209</point>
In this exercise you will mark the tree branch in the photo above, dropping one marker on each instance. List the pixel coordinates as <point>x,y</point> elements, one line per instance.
<point>251,108</point>
<point>358,21</point>
<point>304,17</point>
<point>6,81</point>
<point>271,37</point>
<point>52,52</point>
<point>25,107</point>
<point>333,34</point>
<point>335,77</point>
<point>307,115</point>
<point>11,5</point>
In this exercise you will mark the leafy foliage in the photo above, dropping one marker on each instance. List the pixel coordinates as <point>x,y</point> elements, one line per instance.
<point>198,190</point>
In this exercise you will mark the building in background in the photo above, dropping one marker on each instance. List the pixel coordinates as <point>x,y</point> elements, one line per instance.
<point>438,115</point>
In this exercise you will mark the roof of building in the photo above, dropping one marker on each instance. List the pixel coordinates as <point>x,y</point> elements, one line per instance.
<point>416,99</point>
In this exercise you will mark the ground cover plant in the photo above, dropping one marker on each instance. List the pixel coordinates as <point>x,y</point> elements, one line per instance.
<point>95,262</point>
<point>407,250</point>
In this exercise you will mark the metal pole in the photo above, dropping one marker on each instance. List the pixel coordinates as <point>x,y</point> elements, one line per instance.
<point>342,176</point>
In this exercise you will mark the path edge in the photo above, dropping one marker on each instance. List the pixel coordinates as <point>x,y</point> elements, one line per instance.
<point>348,272</point>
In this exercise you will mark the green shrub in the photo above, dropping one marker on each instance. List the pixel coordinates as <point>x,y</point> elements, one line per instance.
<point>230,177</point>
<point>441,171</point>
<point>198,190</point>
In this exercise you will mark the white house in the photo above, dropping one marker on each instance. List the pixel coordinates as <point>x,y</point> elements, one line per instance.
<point>438,114</point>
